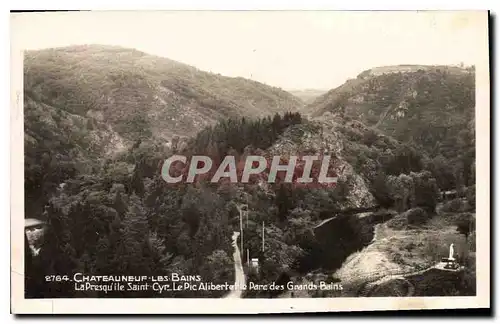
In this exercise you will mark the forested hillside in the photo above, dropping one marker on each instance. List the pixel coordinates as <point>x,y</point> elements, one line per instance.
<point>123,218</point>
<point>308,95</point>
<point>83,104</point>
<point>140,94</point>
<point>95,132</point>
<point>429,107</point>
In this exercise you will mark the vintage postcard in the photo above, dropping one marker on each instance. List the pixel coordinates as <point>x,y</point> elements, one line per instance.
<point>249,161</point>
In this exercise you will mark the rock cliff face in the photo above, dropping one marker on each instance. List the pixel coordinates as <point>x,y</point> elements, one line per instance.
<point>323,137</point>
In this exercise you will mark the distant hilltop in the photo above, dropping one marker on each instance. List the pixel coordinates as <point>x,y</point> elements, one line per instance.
<point>308,95</point>
<point>410,68</point>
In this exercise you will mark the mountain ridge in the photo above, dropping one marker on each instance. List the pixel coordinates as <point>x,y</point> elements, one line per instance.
<point>128,87</point>
<point>115,213</point>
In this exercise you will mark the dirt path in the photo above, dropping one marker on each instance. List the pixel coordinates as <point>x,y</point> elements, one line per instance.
<point>239,279</point>
<point>370,285</point>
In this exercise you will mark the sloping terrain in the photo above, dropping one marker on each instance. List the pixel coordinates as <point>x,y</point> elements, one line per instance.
<point>94,146</point>
<point>85,104</point>
<point>431,107</point>
<point>402,252</point>
<point>140,94</point>
<point>308,95</point>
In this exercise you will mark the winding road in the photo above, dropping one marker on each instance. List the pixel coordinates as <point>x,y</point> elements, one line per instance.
<point>239,279</point>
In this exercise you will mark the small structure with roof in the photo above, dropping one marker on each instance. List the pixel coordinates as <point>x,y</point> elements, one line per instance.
<point>33,232</point>
<point>33,223</point>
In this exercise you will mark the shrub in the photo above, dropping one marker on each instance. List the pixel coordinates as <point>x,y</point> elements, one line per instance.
<point>471,241</point>
<point>370,137</point>
<point>471,196</point>
<point>410,246</point>
<point>465,223</point>
<point>396,257</point>
<point>381,191</point>
<point>426,191</point>
<point>454,206</point>
<point>416,216</point>
<point>398,222</point>
<point>382,215</point>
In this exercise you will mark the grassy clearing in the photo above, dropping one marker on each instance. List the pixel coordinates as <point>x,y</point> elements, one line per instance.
<point>407,249</point>
<point>418,248</point>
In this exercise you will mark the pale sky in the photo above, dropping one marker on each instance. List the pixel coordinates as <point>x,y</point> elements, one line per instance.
<point>287,49</point>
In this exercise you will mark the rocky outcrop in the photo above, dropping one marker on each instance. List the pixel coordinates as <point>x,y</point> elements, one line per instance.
<point>320,137</point>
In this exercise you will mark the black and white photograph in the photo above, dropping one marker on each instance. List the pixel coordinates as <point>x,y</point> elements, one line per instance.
<point>237,155</point>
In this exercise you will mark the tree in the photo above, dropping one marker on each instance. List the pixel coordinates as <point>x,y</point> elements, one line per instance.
<point>416,216</point>
<point>284,200</point>
<point>57,255</point>
<point>465,223</point>
<point>137,183</point>
<point>380,191</point>
<point>219,265</point>
<point>299,228</point>
<point>370,137</point>
<point>426,191</point>
<point>401,190</point>
<point>135,233</point>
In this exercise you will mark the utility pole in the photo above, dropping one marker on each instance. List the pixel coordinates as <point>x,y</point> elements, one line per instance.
<point>246,211</point>
<point>262,236</point>
<point>241,230</point>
